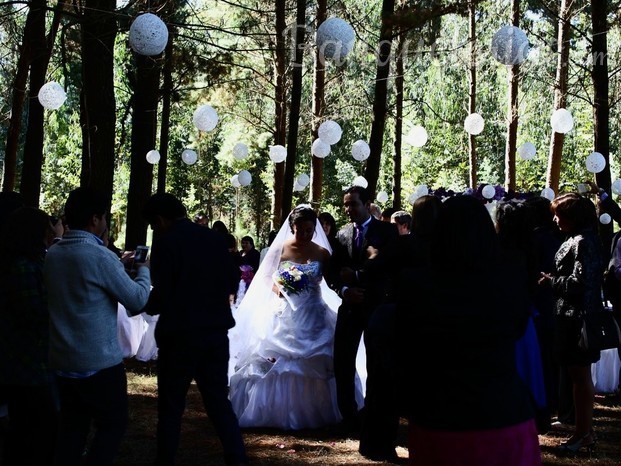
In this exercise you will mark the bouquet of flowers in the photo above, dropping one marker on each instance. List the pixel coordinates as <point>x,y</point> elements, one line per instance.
<point>292,279</point>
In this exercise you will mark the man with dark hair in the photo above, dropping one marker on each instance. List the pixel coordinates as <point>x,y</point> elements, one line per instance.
<point>85,282</point>
<point>403,220</point>
<point>193,276</point>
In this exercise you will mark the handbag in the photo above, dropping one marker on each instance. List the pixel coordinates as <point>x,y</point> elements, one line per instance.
<point>599,331</point>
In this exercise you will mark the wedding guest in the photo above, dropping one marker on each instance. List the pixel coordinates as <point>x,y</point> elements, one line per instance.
<point>85,282</point>
<point>24,339</point>
<point>403,221</point>
<point>248,261</point>
<point>191,296</point>
<point>476,410</point>
<point>220,227</point>
<point>387,214</point>
<point>576,282</point>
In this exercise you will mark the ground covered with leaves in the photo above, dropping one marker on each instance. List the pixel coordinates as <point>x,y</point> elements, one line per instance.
<point>200,445</point>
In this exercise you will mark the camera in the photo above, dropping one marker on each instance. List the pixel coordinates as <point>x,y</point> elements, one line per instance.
<point>141,254</point>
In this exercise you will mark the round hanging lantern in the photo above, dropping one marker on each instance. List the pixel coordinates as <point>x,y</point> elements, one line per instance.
<point>148,35</point>
<point>153,156</point>
<point>417,136</point>
<point>595,162</point>
<point>527,151</point>
<point>412,198</point>
<point>360,150</point>
<point>562,121</point>
<point>360,181</point>
<point>382,196</point>
<point>298,187</point>
<point>548,193</point>
<point>488,191</point>
<point>605,219</point>
<point>320,148</point>
<point>52,95</point>
<point>235,181</point>
<point>278,153</point>
<point>330,132</point>
<point>421,190</point>
<point>240,151</point>
<point>335,39</point>
<point>616,186</point>
<point>205,118</point>
<point>244,177</point>
<point>474,124</point>
<point>303,180</point>
<point>189,157</point>
<point>510,45</point>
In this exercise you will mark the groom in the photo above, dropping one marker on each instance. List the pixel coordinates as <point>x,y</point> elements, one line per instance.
<point>360,294</point>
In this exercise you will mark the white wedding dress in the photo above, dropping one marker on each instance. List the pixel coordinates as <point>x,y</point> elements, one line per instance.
<point>285,378</point>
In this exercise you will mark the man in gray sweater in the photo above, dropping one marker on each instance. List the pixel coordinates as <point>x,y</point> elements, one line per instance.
<point>85,283</point>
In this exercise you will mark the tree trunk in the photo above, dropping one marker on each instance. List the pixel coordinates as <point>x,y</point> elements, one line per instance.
<point>560,92</point>
<point>165,123</point>
<point>381,96</point>
<point>318,107</point>
<point>144,127</point>
<point>472,97</point>
<point>512,113</point>
<point>396,178</point>
<point>98,116</point>
<point>294,110</point>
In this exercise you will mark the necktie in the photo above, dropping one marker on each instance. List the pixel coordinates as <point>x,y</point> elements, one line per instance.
<point>358,236</point>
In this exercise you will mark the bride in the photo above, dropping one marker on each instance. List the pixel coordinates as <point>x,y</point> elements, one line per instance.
<point>281,347</point>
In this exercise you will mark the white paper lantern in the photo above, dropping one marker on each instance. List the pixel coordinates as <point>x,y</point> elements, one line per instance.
<point>548,193</point>
<point>616,186</point>
<point>278,153</point>
<point>320,148</point>
<point>244,177</point>
<point>189,157</point>
<point>421,190</point>
<point>235,181</point>
<point>527,151</point>
<point>412,198</point>
<point>303,180</point>
<point>153,156</point>
<point>52,95</point>
<point>474,124</point>
<point>595,162</point>
<point>240,151</point>
<point>510,45</point>
<point>330,132</point>
<point>360,181</point>
<point>417,136</point>
<point>360,150</point>
<point>605,218</point>
<point>335,38</point>
<point>562,121</point>
<point>205,118</point>
<point>488,191</point>
<point>148,35</point>
<point>298,187</point>
<point>382,196</point>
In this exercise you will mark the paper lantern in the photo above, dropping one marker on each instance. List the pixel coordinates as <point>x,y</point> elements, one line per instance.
<point>240,151</point>
<point>474,124</point>
<point>548,193</point>
<point>360,150</point>
<point>298,187</point>
<point>382,196</point>
<point>205,118</point>
<point>148,35</point>
<point>330,132</point>
<point>412,198</point>
<point>303,180</point>
<point>153,156</point>
<point>562,121</point>
<point>527,151</point>
<point>421,190</point>
<point>335,39</point>
<point>595,162</point>
<point>278,153</point>
<point>235,181</point>
<point>189,157</point>
<point>360,181</point>
<point>320,148</point>
<point>605,218</point>
<point>510,45</point>
<point>52,95</point>
<point>417,136</point>
<point>488,191</point>
<point>616,186</point>
<point>244,177</point>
